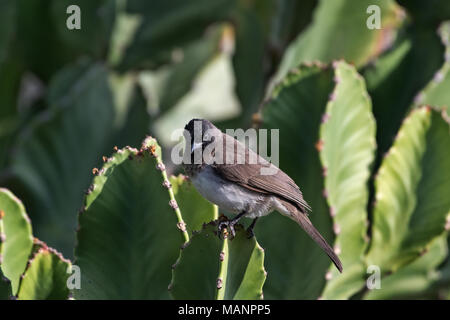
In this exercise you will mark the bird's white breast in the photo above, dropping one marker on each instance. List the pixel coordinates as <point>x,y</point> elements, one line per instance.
<point>229,196</point>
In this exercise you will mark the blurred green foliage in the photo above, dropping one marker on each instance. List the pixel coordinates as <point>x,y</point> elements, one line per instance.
<point>370,158</point>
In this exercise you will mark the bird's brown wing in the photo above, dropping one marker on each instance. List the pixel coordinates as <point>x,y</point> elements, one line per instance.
<point>249,175</point>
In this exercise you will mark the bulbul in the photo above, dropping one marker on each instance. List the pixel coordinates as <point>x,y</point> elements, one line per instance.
<point>241,182</point>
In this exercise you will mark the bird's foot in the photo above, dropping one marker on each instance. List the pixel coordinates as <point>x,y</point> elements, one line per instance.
<point>250,233</point>
<point>229,226</point>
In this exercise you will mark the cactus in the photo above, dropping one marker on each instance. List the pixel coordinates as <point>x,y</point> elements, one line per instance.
<point>347,150</point>
<point>61,143</point>
<point>229,269</point>
<point>410,209</point>
<point>415,280</point>
<point>146,235</point>
<point>360,43</point>
<point>16,238</point>
<point>46,276</point>
<point>43,276</point>
<point>120,237</point>
<point>436,92</point>
<point>194,208</point>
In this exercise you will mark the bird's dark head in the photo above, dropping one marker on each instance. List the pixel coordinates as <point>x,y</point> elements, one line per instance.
<point>200,133</point>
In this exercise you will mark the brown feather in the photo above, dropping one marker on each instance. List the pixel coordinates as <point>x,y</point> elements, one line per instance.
<point>248,174</point>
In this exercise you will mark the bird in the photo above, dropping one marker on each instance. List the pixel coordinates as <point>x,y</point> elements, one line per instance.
<point>232,176</point>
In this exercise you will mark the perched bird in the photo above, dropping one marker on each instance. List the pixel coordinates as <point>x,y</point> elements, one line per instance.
<point>241,182</point>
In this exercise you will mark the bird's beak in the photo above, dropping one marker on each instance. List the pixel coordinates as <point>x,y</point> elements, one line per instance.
<point>196,145</point>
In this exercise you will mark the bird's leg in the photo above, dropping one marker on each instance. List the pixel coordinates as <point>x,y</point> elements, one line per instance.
<point>250,232</point>
<point>230,223</point>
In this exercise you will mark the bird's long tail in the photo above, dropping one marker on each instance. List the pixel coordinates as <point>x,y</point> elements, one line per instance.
<point>303,220</point>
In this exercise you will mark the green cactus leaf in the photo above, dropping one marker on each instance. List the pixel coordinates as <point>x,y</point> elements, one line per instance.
<point>415,280</point>
<point>128,236</point>
<point>296,109</point>
<point>55,155</point>
<point>436,93</point>
<point>411,195</point>
<point>195,209</point>
<point>158,33</point>
<point>16,238</point>
<point>341,26</point>
<point>46,277</point>
<point>193,58</point>
<point>392,82</point>
<point>93,36</point>
<point>248,59</point>
<point>348,149</point>
<point>229,269</point>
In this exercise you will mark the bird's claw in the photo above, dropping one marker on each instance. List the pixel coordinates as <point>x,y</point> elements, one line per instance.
<point>229,225</point>
<point>250,233</point>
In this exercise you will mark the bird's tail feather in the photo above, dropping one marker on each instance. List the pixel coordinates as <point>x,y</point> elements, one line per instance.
<point>306,224</point>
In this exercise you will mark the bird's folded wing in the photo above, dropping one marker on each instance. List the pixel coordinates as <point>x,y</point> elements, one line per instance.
<point>249,176</point>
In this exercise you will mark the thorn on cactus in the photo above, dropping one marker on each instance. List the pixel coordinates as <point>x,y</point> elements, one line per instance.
<point>160,166</point>
<point>332,212</point>
<point>115,149</point>
<point>167,184</point>
<point>222,256</point>
<point>319,145</point>
<point>336,229</point>
<point>2,214</point>
<point>173,204</point>
<point>219,283</point>
<point>181,226</point>
<point>337,249</point>
<point>105,159</point>
<point>328,276</point>
<point>95,171</point>
<point>447,223</point>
